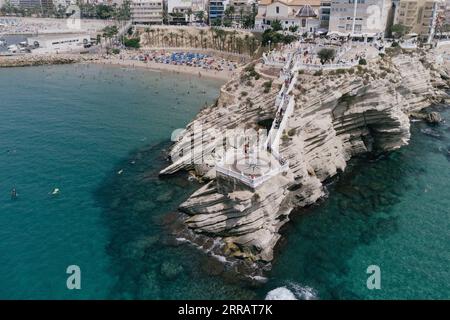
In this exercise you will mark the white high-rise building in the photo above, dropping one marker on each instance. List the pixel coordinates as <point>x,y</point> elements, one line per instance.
<point>359,18</point>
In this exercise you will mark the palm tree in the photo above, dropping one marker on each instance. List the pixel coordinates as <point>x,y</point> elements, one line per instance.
<point>241,16</point>
<point>202,33</point>
<point>233,37</point>
<point>182,37</point>
<point>189,14</point>
<point>247,42</point>
<point>229,11</point>
<point>229,43</point>
<point>239,45</point>
<point>157,36</point>
<point>147,31</point>
<point>195,40</point>
<point>200,15</point>
<point>152,31</point>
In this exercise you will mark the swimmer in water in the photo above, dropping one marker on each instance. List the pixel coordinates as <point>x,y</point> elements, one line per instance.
<point>14,194</point>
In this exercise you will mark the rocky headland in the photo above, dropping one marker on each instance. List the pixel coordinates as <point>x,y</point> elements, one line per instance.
<point>337,115</point>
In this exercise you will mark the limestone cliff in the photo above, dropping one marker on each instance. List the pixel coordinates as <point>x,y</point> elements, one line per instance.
<point>337,115</point>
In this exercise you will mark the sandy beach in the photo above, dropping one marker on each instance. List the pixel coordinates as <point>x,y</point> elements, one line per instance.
<point>33,60</point>
<point>223,75</point>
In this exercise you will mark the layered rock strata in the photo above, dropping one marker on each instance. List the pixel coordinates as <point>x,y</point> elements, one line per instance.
<point>338,114</point>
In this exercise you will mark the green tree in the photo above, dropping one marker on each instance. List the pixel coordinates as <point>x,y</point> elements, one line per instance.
<point>104,12</point>
<point>399,30</point>
<point>326,55</point>
<point>202,33</point>
<point>200,16</point>
<point>293,28</point>
<point>132,43</point>
<point>276,25</point>
<point>189,14</point>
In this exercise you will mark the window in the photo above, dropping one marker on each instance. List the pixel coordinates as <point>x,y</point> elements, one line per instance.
<point>278,9</point>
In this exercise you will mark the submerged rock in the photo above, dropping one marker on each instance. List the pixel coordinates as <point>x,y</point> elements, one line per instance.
<point>170,270</point>
<point>433,117</point>
<point>213,266</point>
<point>150,288</point>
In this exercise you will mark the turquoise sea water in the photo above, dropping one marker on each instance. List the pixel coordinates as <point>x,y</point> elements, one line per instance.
<point>77,127</point>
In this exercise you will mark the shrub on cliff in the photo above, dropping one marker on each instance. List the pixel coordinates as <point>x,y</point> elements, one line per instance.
<point>267,85</point>
<point>362,61</point>
<point>326,55</point>
<point>132,43</point>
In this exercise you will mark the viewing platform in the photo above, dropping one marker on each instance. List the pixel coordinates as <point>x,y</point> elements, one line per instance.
<point>253,165</point>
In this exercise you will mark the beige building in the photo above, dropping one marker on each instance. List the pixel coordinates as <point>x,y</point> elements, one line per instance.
<point>147,11</point>
<point>301,13</point>
<point>361,18</point>
<point>418,15</point>
<point>241,8</point>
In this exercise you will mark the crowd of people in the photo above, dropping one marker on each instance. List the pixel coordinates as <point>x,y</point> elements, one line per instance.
<point>190,59</point>
<point>346,52</point>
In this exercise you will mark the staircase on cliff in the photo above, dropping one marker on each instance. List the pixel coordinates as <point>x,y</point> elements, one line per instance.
<point>253,166</point>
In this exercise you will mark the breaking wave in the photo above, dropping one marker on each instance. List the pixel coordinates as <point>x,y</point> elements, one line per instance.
<point>292,291</point>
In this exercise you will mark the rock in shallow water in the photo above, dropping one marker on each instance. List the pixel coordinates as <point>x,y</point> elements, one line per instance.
<point>433,117</point>
<point>170,270</point>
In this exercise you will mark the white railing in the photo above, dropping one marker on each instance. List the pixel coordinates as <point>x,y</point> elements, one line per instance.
<point>442,43</point>
<point>274,137</point>
<point>304,66</point>
<point>284,104</point>
<point>252,182</point>
<point>271,59</point>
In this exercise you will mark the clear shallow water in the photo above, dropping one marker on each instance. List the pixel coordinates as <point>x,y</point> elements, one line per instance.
<point>76,127</point>
<point>68,127</point>
<point>393,212</point>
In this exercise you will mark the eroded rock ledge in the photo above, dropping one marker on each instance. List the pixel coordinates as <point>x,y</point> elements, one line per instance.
<point>337,115</point>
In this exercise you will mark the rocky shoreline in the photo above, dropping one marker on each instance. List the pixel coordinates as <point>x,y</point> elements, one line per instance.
<point>28,60</point>
<point>338,114</point>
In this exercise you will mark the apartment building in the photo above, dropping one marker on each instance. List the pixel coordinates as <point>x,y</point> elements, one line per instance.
<point>147,11</point>
<point>359,18</point>
<point>32,4</point>
<point>324,13</point>
<point>418,15</point>
<point>242,8</point>
<point>215,10</point>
